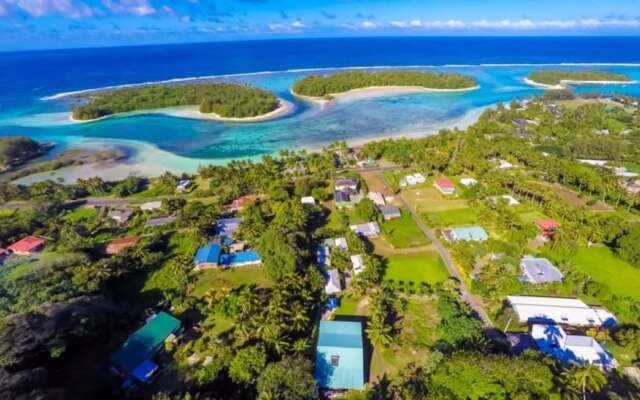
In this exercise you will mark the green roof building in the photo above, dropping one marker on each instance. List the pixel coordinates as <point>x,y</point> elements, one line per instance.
<point>135,354</point>
<point>340,355</point>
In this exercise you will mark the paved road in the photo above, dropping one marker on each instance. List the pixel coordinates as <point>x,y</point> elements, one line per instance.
<point>465,294</point>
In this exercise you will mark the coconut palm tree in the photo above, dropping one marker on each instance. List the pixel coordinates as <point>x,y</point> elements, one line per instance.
<point>584,379</point>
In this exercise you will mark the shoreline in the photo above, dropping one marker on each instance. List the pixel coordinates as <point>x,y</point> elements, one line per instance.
<point>191,112</point>
<point>566,83</point>
<point>376,91</point>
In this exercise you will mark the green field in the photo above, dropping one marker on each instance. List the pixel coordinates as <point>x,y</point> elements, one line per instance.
<point>403,232</point>
<point>81,214</point>
<point>603,266</point>
<point>425,267</point>
<point>231,278</point>
<point>451,218</point>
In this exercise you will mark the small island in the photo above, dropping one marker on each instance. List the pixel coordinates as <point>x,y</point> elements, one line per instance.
<point>220,101</point>
<point>325,88</point>
<point>556,79</point>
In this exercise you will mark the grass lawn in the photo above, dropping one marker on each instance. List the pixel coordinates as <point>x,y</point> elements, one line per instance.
<point>632,167</point>
<point>417,333</point>
<point>154,191</point>
<point>7,212</point>
<point>429,199</point>
<point>349,306</point>
<point>41,260</point>
<point>426,267</point>
<point>403,232</point>
<point>81,214</point>
<point>233,278</point>
<point>450,218</point>
<point>603,266</point>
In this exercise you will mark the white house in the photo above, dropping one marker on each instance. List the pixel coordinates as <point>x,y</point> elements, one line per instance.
<point>333,282</point>
<point>370,229</point>
<point>308,200</point>
<point>183,185</point>
<point>358,263</point>
<point>413,179</point>
<point>468,182</point>
<point>152,205</point>
<point>559,310</point>
<point>553,340</point>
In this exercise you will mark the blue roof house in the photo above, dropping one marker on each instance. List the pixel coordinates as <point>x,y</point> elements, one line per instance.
<point>340,355</point>
<point>227,226</point>
<point>240,259</point>
<point>208,256</point>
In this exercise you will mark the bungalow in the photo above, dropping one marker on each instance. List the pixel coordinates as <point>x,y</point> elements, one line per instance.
<point>151,206</point>
<point>547,227</point>
<point>377,198</point>
<point>342,198</point>
<point>390,212</point>
<point>472,233</point>
<point>357,262</point>
<point>120,216</point>
<point>338,242</point>
<point>208,256</point>
<point>570,349</point>
<point>412,180</point>
<point>468,182</point>
<point>183,184</point>
<point>134,358</point>
<point>340,356</point>
<point>539,270</point>
<point>332,284</point>
<point>159,221</point>
<point>308,200</point>
<point>27,246</point>
<point>370,229</point>
<point>347,183</point>
<point>445,186</point>
<point>227,227</point>
<point>239,203</point>
<point>557,310</point>
<point>116,246</point>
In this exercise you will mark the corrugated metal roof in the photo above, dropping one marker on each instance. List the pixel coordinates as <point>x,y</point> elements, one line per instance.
<point>340,356</point>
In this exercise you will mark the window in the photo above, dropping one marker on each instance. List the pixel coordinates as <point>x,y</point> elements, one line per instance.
<point>335,361</point>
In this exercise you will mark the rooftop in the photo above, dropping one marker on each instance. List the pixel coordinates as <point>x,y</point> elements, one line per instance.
<point>227,226</point>
<point>116,246</point>
<point>340,356</point>
<point>209,254</point>
<point>445,183</point>
<point>475,233</point>
<point>26,244</point>
<point>540,270</point>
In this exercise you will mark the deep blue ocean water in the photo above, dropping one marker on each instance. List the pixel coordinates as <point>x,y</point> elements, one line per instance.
<point>499,65</point>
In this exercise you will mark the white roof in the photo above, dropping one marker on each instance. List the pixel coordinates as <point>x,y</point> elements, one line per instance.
<point>505,164</point>
<point>368,229</point>
<point>152,205</point>
<point>597,163</point>
<point>340,242</point>
<point>308,200</point>
<point>560,311</point>
<point>358,263</point>
<point>333,282</point>
<point>468,181</point>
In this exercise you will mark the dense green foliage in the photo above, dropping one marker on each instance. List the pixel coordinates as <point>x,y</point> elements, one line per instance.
<point>17,149</point>
<point>555,77</point>
<point>224,99</point>
<point>320,86</point>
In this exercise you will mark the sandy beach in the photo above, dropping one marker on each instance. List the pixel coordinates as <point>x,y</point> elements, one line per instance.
<point>376,91</point>
<point>192,112</point>
<point>565,83</point>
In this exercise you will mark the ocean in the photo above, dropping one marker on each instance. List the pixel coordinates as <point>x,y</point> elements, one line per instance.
<point>32,84</point>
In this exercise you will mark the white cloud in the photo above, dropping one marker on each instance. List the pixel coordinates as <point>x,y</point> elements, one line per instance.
<point>398,24</point>
<point>40,8</point>
<point>298,24</point>
<point>520,24</point>
<point>368,24</point>
<point>133,7</point>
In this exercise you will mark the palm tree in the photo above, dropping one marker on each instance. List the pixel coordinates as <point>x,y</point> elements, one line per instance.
<point>584,379</point>
<point>379,332</point>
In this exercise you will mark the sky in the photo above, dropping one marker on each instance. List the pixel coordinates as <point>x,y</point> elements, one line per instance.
<point>41,24</point>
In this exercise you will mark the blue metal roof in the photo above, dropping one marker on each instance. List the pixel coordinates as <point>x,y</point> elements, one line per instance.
<point>227,226</point>
<point>241,257</point>
<point>340,355</point>
<point>208,255</point>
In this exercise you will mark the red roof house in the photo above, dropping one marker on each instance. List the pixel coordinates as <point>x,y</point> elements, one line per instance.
<point>116,246</point>
<point>239,203</point>
<point>547,227</point>
<point>445,186</point>
<point>26,246</point>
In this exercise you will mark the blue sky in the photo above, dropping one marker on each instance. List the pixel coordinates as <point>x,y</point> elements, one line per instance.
<point>26,24</point>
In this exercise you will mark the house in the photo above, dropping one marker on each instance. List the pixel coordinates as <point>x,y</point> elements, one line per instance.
<point>116,246</point>
<point>357,262</point>
<point>240,259</point>
<point>133,360</point>
<point>308,200</point>
<point>159,221</point>
<point>445,186</point>
<point>227,227</point>
<point>558,310</point>
<point>594,163</point>
<point>347,183</point>
<point>120,216</point>
<point>511,201</point>
<point>390,212</point>
<point>27,246</point>
<point>340,356</point>
<point>183,184</point>
<point>208,256</point>
<point>323,253</point>
<point>633,187</point>
<point>547,227</point>
<point>539,270</point>
<point>377,198</point>
<point>569,349</point>
<point>151,206</point>
<point>332,284</point>
<point>468,182</point>
<point>370,229</point>
<point>471,233</point>
<point>343,199</point>
<point>412,180</point>
<point>239,203</point>
<point>338,242</point>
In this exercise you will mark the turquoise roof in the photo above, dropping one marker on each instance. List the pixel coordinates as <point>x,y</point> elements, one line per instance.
<point>471,233</point>
<point>143,344</point>
<point>340,355</point>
